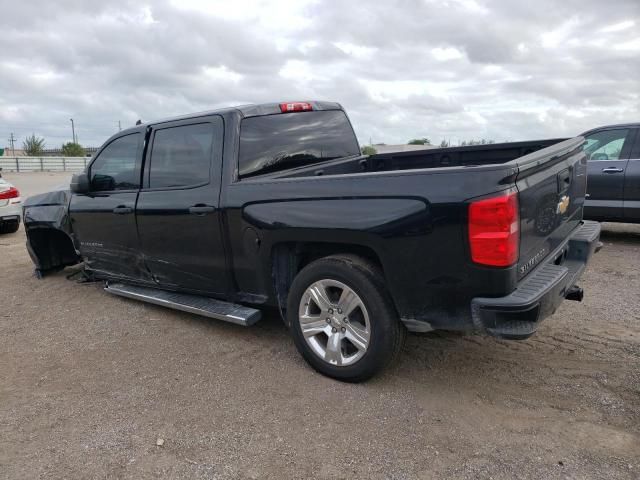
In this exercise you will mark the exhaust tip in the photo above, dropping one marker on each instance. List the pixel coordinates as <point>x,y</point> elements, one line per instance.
<point>575,293</point>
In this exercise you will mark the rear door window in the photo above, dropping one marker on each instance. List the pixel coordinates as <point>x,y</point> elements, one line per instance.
<point>181,156</point>
<point>277,142</point>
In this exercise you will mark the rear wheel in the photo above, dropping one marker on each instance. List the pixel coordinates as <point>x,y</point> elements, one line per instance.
<point>342,318</point>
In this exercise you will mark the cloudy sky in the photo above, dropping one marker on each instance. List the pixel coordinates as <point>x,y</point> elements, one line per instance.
<point>455,69</point>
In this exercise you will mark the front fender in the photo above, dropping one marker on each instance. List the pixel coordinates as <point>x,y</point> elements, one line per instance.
<point>49,235</point>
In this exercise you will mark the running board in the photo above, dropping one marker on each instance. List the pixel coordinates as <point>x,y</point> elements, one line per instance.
<point>205,306</point>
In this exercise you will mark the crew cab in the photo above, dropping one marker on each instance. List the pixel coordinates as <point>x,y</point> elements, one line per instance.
<point>230,212</point>
<point>613,155</point>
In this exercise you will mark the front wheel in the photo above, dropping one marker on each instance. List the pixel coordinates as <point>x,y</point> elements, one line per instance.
<point>342,318</point>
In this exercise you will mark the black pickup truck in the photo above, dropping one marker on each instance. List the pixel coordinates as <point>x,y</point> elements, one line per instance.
<point>232,211</point>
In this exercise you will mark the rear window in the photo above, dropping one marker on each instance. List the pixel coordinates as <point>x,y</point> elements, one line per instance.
<point>278,142</point>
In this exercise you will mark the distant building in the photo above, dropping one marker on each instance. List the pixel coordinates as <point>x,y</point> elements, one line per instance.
<point>47,152</point>
<point>16,152</point>
<point>383,148</point>
<point>57,152</point>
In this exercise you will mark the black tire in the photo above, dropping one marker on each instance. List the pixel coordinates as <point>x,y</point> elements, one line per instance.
<point>11,226</point>
<point>387,333</point>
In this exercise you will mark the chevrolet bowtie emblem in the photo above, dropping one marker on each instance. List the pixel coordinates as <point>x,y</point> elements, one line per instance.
<point>563,205</point>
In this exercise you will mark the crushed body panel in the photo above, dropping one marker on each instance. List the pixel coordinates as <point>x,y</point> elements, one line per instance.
<point>50,241</point>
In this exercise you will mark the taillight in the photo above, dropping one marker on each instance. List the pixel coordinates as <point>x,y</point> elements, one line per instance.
<point>295,107</point>
<point>494,230</point>
<point>11,193</point>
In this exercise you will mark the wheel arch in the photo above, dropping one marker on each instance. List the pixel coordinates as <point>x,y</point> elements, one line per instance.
<point>51,249</point>
<point>289,258</point>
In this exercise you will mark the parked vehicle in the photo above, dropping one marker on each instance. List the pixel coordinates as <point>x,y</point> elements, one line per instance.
<point>613,186</point>
<point>10,207</point>
<point>232,211</point>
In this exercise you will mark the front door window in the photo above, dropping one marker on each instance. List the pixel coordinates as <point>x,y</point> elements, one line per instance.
<point>115,167</point>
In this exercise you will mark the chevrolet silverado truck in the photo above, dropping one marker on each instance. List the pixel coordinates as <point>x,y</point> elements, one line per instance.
<point>232,212</point>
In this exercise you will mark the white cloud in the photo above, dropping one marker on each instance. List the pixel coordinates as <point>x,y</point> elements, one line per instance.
<point>618,27</point>
<point>501,69</point>
<point>449,53</point>
<point>280,15</point>
<point>360,52</point>
<point>632,45</point>
<point>472,6</point>
<point>560,34</point>
<point>297,71</point>
<point>147,16</point>
<point>222,73</point>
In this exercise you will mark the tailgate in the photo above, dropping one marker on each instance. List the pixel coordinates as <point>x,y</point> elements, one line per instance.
<point>551,190</point>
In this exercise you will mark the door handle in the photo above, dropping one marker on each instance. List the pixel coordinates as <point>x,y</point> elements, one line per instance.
<point>201,209</point>
<point>122,210</point>
<point>612,170</point>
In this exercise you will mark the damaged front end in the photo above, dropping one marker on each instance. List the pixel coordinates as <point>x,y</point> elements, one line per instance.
<point>49,236</point>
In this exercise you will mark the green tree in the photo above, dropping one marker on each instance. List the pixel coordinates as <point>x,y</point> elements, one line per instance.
<point>368,150</point>
<point>33,146</point>
<point>73,150</point>
<point>420,141</point>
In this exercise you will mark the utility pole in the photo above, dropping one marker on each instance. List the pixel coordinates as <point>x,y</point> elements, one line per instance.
<point>73,131</point>
<point>119,126</point>
<point>12,141</point>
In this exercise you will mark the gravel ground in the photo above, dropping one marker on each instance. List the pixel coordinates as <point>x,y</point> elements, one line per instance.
<point>90,382</point>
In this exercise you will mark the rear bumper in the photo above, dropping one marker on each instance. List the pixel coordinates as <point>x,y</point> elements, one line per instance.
<point>11,212</point>
<point>7,217</point>
<point>539,294</point>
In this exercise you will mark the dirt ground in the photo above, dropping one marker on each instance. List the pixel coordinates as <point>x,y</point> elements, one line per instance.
<point>89,383</point>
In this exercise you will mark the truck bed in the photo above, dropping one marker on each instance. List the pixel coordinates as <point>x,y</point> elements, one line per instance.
<point>419,206</point>
<point>468,156</point>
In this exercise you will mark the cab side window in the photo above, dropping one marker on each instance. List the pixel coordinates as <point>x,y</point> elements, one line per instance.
<point>115,167</point>
<point>606,145</point>
<point>181,156</point>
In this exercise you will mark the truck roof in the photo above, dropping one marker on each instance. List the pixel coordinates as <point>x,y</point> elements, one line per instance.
<point>609,127</point>
<point>248,110</point>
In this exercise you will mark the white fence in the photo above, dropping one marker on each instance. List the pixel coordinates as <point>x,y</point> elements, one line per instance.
<point>43,164</point>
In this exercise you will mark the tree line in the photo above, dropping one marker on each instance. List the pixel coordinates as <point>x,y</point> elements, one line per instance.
<point>371,149</point>
<point>447,143</point>
<point>33,146</point>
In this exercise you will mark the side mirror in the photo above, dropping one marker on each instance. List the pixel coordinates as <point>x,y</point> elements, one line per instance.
<point>80,183</point>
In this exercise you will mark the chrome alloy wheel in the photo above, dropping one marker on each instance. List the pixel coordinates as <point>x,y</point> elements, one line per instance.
<point>334,322</point>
